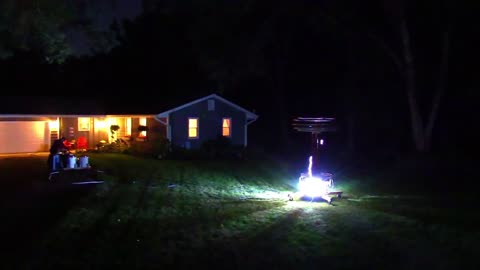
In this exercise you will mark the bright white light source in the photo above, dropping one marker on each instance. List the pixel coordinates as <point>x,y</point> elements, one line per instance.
<point>321,141</point>
<point>313,186</point>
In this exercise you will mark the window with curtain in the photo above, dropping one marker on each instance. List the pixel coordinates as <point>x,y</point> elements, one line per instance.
<point>227,127</point>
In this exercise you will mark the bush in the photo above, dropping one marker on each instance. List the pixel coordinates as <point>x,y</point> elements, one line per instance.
<point>158,148</point>
<point>118,146</point>
<point>186,154</point>
<point>221,147</point>
<point>161,148</point>
<point>255,152</point>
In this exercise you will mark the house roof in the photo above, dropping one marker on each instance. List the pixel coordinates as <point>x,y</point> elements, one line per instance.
<point>55,106</point>
<point>250,115</point>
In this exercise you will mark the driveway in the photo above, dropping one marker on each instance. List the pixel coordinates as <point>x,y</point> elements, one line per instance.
<point>37,154</point>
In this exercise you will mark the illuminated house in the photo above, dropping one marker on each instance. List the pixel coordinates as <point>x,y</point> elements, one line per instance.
<point>188,125</point>
<point>206,118</point>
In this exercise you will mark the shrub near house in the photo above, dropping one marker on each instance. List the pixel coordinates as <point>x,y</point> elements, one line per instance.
<point>155,148</point>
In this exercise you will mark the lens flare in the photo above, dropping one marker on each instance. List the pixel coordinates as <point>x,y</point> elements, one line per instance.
<point>313,186</point>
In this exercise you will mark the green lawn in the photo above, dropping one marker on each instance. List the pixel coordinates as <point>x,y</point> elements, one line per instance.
<point>151,214</point>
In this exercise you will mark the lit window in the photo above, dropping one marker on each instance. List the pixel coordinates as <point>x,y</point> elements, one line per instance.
<point>226,127</point>
<point>143,122</point>
<point>83,123</point>
<point>53,124</point>
<point>192,127</point>
<point>128,126</point>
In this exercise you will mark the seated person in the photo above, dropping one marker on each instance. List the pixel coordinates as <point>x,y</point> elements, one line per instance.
<point>68,144</point>
<point>58,147</point>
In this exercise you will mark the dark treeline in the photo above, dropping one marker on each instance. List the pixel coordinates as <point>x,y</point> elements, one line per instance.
<point>399,76</point>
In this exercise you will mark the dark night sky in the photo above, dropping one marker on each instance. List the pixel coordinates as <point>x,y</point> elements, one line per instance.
<point>316,72</point>
<point>107,11</point>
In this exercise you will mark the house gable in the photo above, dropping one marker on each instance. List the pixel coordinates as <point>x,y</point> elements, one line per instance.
<point>250,115</point>
<point>210,113</point>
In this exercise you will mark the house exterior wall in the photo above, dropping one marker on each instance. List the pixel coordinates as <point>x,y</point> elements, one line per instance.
<point>156,130</point>
<point>69,129</point>
<point>135,125</point>
<point>100,129</point>
<point>209,124</point>
<point>68,126</point>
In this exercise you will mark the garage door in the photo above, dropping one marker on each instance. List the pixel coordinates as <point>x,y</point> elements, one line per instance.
<point>24,136</point>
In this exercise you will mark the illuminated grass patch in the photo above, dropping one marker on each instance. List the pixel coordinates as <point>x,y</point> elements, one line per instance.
<point>154,214</point>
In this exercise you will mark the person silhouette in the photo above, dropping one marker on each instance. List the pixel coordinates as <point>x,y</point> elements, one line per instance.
<point>58,148</point>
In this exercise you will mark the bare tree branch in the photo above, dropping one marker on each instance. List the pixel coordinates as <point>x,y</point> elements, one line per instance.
<point>410,84</point>
<point>442,84</point>
<point>388,50</point>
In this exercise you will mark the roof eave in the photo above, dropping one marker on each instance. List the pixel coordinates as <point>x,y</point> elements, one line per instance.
<point>49,115</point>
<point>249,114</point>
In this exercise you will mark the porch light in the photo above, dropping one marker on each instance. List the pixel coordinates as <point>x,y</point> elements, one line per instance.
<point>100,124</point>
<point>53,125</point>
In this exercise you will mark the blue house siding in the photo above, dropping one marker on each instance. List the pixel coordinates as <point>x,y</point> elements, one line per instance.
<point>209,123</point>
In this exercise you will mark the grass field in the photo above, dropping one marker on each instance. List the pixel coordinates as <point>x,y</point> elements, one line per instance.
<point>152,214</point>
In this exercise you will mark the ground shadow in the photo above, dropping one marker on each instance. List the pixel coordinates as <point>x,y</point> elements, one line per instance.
<point>30,206</point>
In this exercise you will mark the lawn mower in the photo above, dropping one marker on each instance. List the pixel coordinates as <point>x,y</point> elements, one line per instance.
<point>66,168</point>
